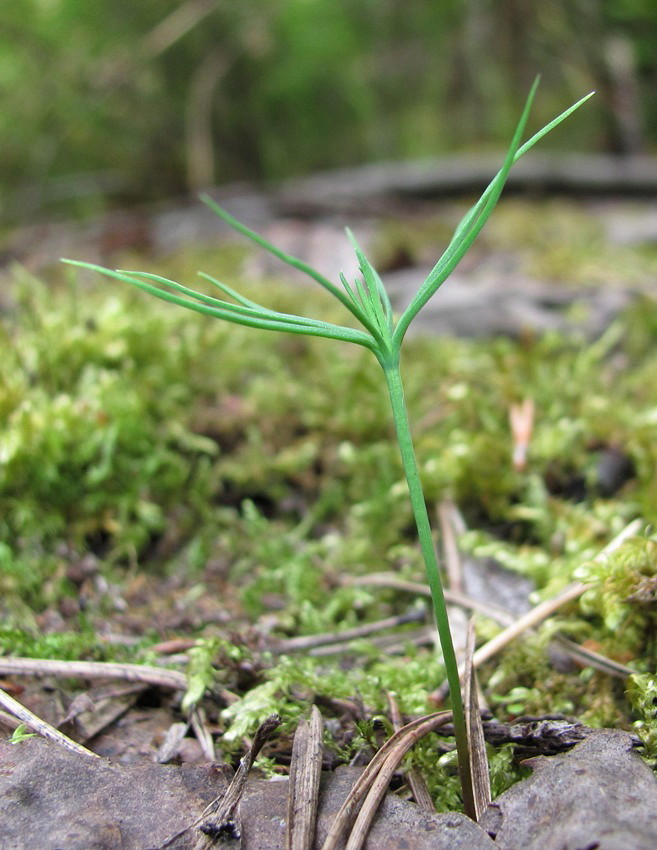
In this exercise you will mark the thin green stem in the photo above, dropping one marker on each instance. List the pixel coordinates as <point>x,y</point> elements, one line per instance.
<point>368,302</point>
<point>294,262</point>
<point>409,462</point>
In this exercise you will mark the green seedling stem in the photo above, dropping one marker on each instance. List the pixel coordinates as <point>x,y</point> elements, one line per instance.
<point>367,301</point>
<point>409,462</point>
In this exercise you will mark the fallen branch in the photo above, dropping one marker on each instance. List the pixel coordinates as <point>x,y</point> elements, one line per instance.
<point>160,677</point>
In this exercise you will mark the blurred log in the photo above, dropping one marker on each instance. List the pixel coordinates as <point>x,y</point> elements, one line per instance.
<point>550,173</point>
<point>389,188</point>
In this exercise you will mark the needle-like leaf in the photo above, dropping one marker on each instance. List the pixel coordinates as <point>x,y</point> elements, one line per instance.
<point>241,299</point>
<point>236,313</point>
<point>471,225</point>
<point>376,292</point>
<point>294,262</point>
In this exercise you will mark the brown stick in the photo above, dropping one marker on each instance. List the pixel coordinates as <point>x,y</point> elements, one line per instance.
<point>221,820</point>
<point>303,790</point>
<point>160,677</point>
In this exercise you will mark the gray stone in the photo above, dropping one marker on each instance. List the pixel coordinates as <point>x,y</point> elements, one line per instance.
<point>51,799</point>
<point>599,795</point>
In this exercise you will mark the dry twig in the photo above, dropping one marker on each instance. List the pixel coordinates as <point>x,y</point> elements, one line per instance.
<point>160,677</point>
<point>221,820</point>
<point>219,823</point>
<point>303,789</point>
<point>40,726</point>
<point>308,642</point>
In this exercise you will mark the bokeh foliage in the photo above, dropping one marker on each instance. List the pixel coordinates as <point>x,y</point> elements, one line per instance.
<point>149,99</point>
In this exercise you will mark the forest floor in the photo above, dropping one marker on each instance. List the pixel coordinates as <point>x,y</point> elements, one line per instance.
<point>226,507</point>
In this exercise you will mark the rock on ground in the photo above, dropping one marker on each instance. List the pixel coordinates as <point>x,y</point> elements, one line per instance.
<point>599,795</point>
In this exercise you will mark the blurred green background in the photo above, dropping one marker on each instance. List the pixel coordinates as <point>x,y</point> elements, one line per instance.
<point>107,103</point>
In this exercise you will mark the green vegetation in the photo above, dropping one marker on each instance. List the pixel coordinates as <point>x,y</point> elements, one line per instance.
<point>642,693</point>
<point>368,302</point>
<point>236,491</point>
<point>153,99</point>
<point>20,733</point>
<point>162,476</point>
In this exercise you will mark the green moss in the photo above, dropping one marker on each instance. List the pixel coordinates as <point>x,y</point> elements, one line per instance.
<point>167,445</point>
<point>62,646</point>
<point>642,693</point>
<point>565,241</point>
<point>291,680</point>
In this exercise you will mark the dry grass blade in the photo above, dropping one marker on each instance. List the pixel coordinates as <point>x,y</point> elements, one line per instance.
<point>199,723</point>
<point>162,678</point>
<point>398,744</point>
<point>478,758</point>
<point>588,658</point>
<point>308,642</point>
<point>549,606</point>
<point>382,778</point>
<point>414,777</point>
<point>305,773</point>
<point>38,725</point>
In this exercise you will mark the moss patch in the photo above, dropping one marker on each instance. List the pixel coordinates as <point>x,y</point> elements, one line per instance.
<point>168,475</point>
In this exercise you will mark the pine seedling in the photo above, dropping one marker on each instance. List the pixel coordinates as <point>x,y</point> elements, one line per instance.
<point>367,300</point>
